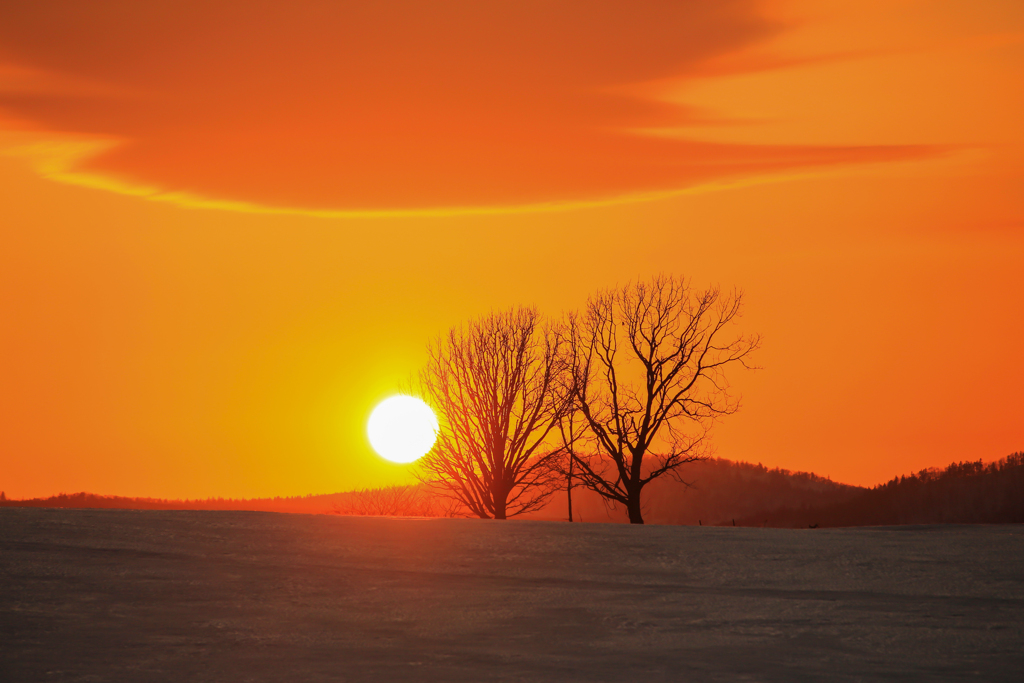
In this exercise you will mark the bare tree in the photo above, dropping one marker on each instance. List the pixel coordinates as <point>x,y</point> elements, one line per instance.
<point>493,384</point>
<point>404,501</point>
<point>572,432</point>
<point>648,375</point>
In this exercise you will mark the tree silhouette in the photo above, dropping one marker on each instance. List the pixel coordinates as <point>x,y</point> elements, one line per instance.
<point>648,364</point>
<point>493,384</point>
<point>572,432</point>
<point>404,501</point>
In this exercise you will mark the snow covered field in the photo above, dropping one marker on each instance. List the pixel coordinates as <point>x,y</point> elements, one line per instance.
<point>108,595</point>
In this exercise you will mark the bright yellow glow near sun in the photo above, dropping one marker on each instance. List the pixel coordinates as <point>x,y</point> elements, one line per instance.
<point>402,429</point>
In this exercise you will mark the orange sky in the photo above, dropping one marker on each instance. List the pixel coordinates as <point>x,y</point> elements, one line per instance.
<point>228,230</point>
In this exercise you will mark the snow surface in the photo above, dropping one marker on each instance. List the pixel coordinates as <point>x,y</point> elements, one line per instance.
<point>114,595</point>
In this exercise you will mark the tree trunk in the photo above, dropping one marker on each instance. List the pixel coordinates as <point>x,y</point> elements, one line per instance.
<point>633,507</point>
<point>633,489</point>
<point>568,489</point>
<point>499,505</point>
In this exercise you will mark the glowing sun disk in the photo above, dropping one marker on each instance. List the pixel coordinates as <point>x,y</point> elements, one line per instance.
<point>402,429</point>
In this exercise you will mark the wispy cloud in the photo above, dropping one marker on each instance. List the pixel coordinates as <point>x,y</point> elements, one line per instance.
<point>385,106</point>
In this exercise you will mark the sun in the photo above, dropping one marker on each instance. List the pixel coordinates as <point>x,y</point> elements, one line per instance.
<point>402,428</point>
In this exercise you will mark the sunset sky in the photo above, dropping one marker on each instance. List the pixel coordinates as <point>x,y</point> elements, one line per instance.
<point>228,229</point>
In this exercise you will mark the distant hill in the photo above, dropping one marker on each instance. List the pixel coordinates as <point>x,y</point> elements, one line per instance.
<point>963,493</point>
<point>720,490</point>
<point>387,500</point>
<point>307,504</point>
<point>716,492</point>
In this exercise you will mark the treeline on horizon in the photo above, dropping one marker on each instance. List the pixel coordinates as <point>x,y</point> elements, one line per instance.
<point>962,493</point>
<point>309,503</point>
<point>717,492</point>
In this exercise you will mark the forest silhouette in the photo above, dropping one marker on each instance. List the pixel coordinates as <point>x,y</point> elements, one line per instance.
<point>962,493</point>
